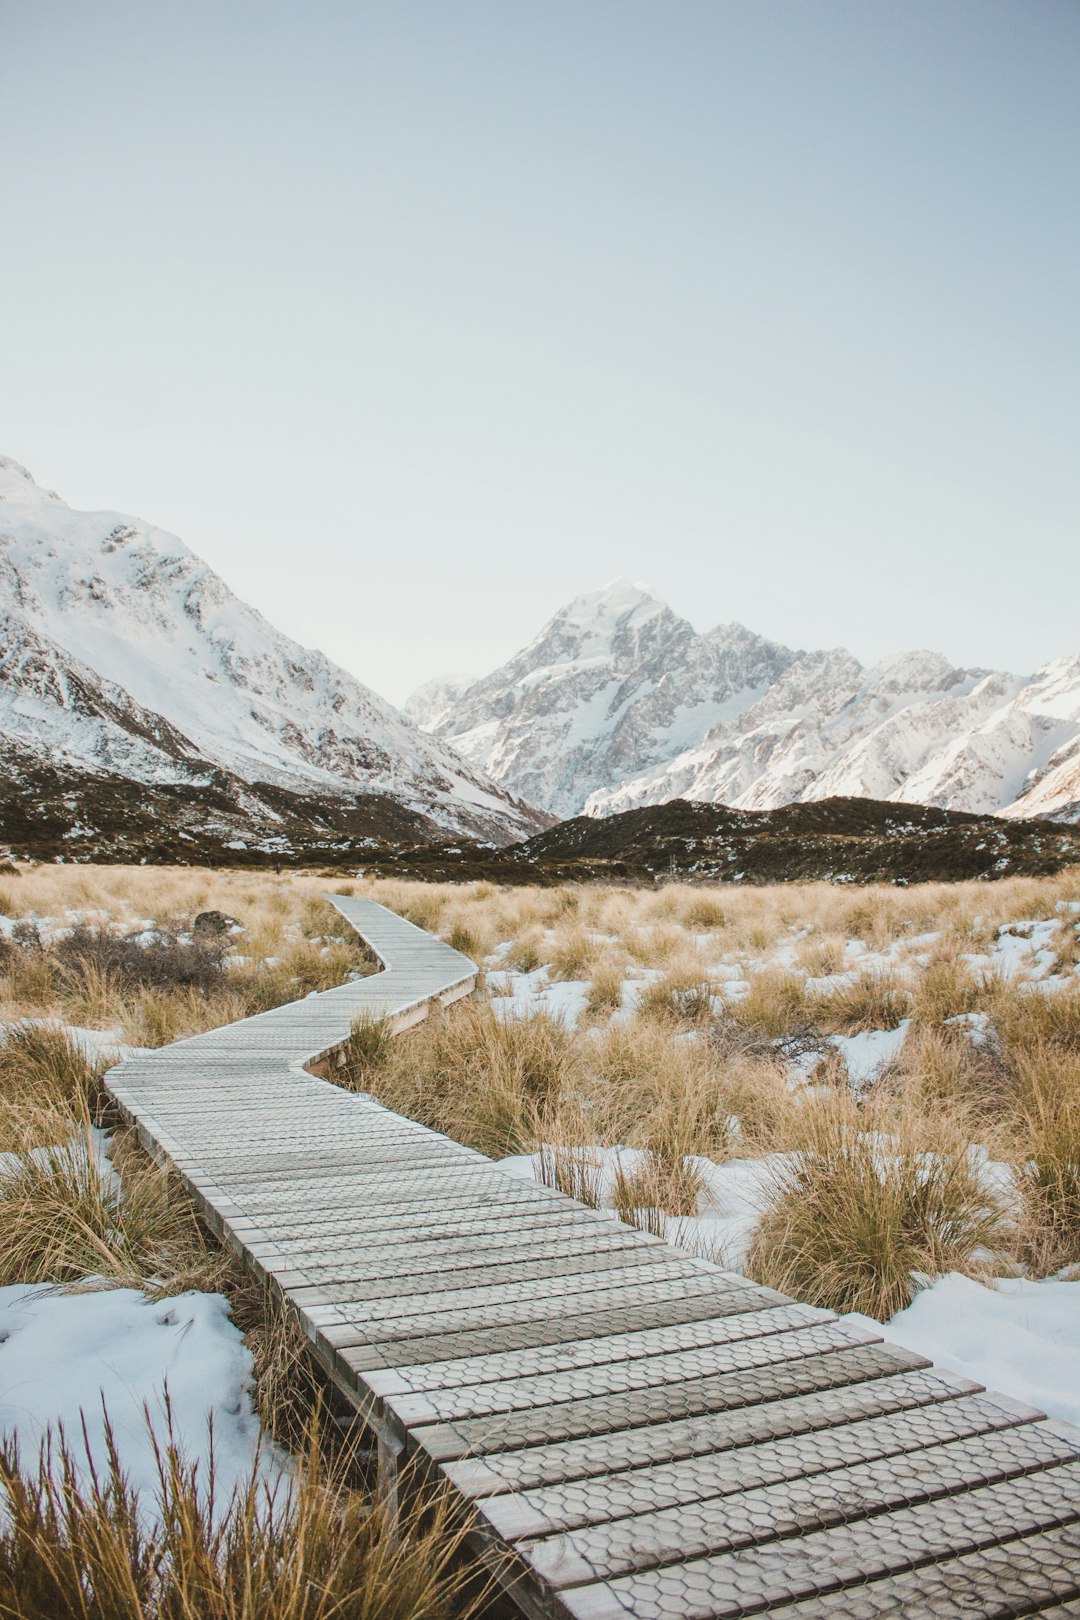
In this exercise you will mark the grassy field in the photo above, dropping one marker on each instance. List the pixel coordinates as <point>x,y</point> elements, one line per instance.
<point>845,1092</point>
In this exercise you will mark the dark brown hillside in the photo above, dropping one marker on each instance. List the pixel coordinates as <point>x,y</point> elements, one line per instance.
<point>840,840</point>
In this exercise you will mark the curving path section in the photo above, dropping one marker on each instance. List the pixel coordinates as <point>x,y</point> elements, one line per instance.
<point>640,1433</point>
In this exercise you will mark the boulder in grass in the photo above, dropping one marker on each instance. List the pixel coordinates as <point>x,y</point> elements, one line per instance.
<point>215,924</point>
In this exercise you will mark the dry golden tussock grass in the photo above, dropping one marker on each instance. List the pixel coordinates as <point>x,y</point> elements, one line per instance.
<point>868,1206</point>
<point>661,1185</point>
<point>870,1000</point>
<point>775,1004</point>
<point>76,1542</point>
<point>822,955</point>
<point>81,952</point>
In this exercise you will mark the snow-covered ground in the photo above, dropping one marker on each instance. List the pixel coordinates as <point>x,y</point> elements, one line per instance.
<point>68,1359</point>
<point>176,1367</point>
<point>1018,1337</point>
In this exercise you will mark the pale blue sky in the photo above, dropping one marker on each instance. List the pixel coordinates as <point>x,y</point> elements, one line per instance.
<point>418,317</point>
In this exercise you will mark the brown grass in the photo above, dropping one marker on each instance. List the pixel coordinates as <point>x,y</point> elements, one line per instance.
<point>74,1543</point>
<point>483,1080</point>
<point>868,1001</point>
<point>687,1076</point>
<point>776,1003</point>
<point>856,1219</point>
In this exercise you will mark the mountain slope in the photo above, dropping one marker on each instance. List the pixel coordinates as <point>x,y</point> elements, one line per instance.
<point>911,730</point>
<point>838,840</point>
<point>618,703</point>
<point>613,684</point>
<point>124,653</point>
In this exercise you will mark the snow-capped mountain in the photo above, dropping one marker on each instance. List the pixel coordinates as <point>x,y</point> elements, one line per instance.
<point>613,684</point>
<point>911,730</point>
<point>434,704</point>
<point>122,652</point>
<point>619,703</point>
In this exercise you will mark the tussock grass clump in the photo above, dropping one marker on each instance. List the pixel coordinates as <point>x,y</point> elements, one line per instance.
<point>468,939</point>
<point>944,988</point>
<point>28,981</point>
<point>422,906</point>
<point>868,1001</point>
<point>1049,1184</point>
<point>1030,1021</point>
<point>368,1049</point>
<point>49,1088</point>
<point>1048,1163</point>
<point>655,947</point>
<point>776,1003</point>
<point>671,1000</point>
<point>604,996</point>
<point>857,1218</point>
<point>75,1543</point>
<point>573,954</point>
<point>42,1064</point>
<point>484,1080</point>
<point>823,956</point>
<point>704,913</point>
<point>159,1017</point>
<point>66,1220</point>
<point>525,954</point>
<point>570,1169</point>
<point>661,1185</point>
<point>943,1071</point>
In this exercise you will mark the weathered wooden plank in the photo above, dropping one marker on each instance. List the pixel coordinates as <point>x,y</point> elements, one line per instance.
<point>818,1563</point>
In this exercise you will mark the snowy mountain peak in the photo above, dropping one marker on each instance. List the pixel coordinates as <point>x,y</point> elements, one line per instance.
<point>920,671</point>
<point>16,484</point>
<point>123,651</point>
<point>612,602</point>
<point>613,683</point>
<point>618,702</point>
<point>596,623</point>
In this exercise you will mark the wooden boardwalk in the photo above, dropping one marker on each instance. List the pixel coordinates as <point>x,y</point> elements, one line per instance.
<point>640,1433</point>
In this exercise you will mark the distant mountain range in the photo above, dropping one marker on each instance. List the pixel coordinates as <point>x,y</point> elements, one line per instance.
<point>619,703</point>
<point>125,658</point>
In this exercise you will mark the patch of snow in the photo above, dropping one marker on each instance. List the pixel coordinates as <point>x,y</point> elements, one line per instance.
<point>1018,1337</point>
<point>1021,950</point>
<point>66,1358</point>
<point>867,1053</point>
<point>523,995</point>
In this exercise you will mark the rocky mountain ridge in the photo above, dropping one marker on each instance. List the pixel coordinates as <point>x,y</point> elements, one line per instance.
<point>614,683</point>
<point>124,656</point>
<point>618,703</point>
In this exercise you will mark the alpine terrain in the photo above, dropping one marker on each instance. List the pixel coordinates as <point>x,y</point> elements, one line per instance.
<point>125,659</point>
<point>614,684</point>
<point>619,703</point>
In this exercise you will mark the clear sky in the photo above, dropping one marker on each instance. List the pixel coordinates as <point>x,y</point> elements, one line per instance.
<point>418,317</point>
